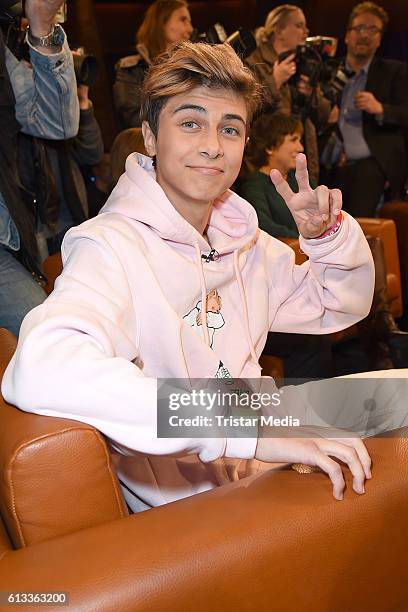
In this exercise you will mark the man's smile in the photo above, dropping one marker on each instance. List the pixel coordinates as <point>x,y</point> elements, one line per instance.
<point>209,170</point>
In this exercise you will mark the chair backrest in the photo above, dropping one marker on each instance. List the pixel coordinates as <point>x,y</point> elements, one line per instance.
<point>52,269</point>
<point>386,230</point>
<point>56,475</point>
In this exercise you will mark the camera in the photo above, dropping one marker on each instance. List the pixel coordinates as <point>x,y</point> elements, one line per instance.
<point>242,41</point>
<point>316,60</point>
<point>86,67</point>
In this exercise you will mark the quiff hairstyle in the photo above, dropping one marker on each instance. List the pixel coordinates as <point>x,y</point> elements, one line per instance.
<point>189,65</point>
<point>369,7</point>
<point>151,32</point>
<point>268,132</point>
<point>276,19</point>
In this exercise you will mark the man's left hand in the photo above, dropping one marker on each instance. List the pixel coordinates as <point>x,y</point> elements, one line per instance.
<point>366,101</point>
<point>314,210</point>
<point>41,15</point>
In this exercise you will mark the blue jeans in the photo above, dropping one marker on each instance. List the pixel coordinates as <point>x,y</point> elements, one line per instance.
<point>19,292</point>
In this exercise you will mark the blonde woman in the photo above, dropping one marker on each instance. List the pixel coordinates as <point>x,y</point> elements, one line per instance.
<point>285,28</point>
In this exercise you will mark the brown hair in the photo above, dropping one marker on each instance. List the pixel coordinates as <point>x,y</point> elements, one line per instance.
<point>268,132</point>
<point>369,7</point>
<point>126,142</point>
<point>189,65</point>
<point>151,32</point>
<point>277,18</point>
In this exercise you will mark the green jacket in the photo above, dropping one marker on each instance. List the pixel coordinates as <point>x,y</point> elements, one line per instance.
<point>274,216</point>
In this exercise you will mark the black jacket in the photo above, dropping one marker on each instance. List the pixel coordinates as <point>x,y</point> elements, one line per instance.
<point>130,73</point>
<point>388,81</point>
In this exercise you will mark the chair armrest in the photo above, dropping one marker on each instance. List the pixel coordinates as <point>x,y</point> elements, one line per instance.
<point>47,467</point>
<point>276,541</point>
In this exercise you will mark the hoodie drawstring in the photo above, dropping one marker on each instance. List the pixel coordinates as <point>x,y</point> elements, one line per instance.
<point>241,293</point>
<point>203,295</point>
<point>244,306</point>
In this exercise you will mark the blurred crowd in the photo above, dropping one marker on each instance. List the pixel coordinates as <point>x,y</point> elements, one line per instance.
<point>351,121</point>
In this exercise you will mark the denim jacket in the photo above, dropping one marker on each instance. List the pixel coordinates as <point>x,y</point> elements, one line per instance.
<point>46,106</point>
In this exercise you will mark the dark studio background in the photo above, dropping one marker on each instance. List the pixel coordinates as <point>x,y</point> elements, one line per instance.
<point>107,30</point>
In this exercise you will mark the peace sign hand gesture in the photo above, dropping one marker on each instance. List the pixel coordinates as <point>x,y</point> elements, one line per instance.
<point>314,210</point>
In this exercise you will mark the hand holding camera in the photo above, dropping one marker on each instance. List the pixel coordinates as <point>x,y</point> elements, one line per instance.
<point>284,70</point>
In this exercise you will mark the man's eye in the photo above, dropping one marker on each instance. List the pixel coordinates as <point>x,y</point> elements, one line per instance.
<point>231,131</point>
<point>190,125</point>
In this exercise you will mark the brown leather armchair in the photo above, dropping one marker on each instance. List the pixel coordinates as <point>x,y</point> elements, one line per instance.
<point>273,541</point>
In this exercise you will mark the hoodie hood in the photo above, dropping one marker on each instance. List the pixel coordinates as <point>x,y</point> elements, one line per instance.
<point>233,224</point>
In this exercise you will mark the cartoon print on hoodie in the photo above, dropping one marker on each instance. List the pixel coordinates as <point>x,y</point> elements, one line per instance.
<point>215,320</point>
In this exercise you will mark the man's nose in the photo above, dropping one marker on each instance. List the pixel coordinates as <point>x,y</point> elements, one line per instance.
<point>211,144</point>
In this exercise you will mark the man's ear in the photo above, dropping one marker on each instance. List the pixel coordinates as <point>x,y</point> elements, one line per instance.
<point>149,139</point>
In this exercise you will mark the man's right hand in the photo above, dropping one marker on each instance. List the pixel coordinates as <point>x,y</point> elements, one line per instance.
<point>317,452</point>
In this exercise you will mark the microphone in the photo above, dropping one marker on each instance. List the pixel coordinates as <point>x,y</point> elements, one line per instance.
<point>213,255</point>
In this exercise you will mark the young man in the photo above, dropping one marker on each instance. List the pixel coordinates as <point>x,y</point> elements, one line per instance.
<point>170,234</point>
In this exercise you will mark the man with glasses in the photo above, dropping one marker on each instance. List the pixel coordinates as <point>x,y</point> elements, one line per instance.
<point>373,112</point>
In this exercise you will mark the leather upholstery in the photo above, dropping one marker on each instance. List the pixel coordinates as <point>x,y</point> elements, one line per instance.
<point>5,543</point>
<point>52,269</point>
<point>278,541</point>
<point>398,212</point>
<point>386,230</point>
<point>56,475</point>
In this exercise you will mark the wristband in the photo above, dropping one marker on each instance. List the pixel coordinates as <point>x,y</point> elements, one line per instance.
<point>333,229</point>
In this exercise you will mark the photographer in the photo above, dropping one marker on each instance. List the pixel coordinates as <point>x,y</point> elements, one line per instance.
<point>52,170</point>
<point>166,22</point>
<point>285,28</point>
<point>371,150</point>
<point>40,101</point>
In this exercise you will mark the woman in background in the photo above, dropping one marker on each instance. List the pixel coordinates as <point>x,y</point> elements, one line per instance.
<point>274,142</point>
<point>166,22</point>
<point>284,30</point>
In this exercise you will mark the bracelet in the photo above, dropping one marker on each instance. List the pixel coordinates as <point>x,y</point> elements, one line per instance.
<point>333,228</point>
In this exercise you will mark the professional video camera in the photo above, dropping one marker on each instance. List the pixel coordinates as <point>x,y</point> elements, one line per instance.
<point>316,60</point>
<point>242,41</point>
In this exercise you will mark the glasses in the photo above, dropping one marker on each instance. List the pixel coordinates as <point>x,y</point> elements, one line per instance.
<point>361,29</point>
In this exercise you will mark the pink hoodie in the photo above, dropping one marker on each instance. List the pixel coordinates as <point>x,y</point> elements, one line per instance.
<point>130,307</point>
